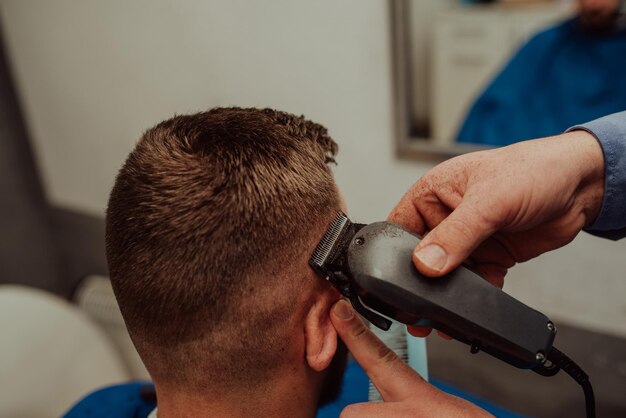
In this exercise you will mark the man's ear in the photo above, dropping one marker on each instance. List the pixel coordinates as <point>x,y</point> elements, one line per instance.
<point>319,332</point>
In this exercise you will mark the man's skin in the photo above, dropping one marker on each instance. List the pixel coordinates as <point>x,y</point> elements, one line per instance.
<point>307,359</point>
<point>307,364</point>
<point>598,15</point>
<point>491,209</point>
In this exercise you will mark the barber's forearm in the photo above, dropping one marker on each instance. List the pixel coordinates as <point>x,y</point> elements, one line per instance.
<point>610,132</point>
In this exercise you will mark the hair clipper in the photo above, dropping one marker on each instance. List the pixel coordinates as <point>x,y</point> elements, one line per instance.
<point>371,265</point>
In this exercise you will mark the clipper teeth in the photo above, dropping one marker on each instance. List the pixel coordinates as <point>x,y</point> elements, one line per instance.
<point>325,246</point>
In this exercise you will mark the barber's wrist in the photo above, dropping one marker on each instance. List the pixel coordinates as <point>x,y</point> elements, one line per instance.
<point>589,159</point>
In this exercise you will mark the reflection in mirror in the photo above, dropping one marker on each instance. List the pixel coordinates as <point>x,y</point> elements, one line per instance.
<point>473,75</point>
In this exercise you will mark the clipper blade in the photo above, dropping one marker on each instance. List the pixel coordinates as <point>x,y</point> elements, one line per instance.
<point>325,249</point>
<point>329,261</point>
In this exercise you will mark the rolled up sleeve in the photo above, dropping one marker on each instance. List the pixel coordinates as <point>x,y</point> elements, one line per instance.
<point>610,131</point>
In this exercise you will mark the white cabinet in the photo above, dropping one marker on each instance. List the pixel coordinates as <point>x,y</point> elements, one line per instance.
<point>469,47</point>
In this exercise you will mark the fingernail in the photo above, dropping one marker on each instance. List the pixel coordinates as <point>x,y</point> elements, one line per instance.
<point>432,256</point>
<point>343,310</point>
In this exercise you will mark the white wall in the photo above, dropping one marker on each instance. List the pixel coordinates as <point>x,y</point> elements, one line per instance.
<point>93,75</point>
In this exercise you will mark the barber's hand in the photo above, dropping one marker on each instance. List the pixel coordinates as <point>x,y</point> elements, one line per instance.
<point>492,209</point>
<point>404,391</point>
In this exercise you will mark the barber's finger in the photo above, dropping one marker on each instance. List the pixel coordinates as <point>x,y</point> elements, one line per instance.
<point>493,273</point>
<point>421,332</point>
<point>406,214</point>
<point>437,404</point>
<point>393,378</point>
<point>444,336</point>
<point>387,410</point>
<point>451,242</point>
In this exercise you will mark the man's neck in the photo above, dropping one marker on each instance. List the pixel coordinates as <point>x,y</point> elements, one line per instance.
<point>288,396</point>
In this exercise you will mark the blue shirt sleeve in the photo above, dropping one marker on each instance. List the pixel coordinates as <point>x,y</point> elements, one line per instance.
<point>610,131</point>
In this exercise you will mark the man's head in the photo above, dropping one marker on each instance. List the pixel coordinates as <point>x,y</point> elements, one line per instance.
<point>209,228</point>
<point>599,16</point>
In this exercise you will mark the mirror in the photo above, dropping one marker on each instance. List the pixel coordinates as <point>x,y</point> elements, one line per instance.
<point>445,54</point>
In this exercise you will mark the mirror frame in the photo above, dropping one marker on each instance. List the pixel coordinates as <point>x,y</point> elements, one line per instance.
<point>409,146</point>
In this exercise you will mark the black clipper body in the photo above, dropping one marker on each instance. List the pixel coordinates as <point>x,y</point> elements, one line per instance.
<point>371,265</point>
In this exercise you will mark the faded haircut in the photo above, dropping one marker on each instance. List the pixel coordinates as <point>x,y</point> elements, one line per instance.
<point>207,228</point>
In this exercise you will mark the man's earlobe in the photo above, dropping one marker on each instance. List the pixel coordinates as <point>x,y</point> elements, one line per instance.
<point>320,334</point>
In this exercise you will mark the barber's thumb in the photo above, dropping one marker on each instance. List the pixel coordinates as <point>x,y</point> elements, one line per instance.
<point>451,242</point>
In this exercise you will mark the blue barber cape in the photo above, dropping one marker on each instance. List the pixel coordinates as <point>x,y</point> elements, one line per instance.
<point>560,78</point>
<point>126,401</point>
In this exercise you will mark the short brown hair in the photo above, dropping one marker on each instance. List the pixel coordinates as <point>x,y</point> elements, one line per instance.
<point>206,216</point>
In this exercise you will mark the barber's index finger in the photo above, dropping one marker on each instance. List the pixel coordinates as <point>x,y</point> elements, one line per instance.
<point>393,378</point>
